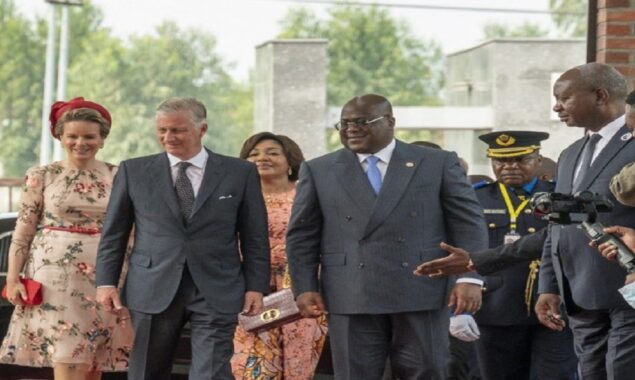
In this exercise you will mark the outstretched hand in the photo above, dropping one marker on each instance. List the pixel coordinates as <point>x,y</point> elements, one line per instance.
<point>457,262</point>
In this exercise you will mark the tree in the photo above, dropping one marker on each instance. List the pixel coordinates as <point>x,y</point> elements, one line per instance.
<point>570,16</point>
<point>21,70</point>
<point>129,77</point>
<point>371,52</point>
<point>526,29</point>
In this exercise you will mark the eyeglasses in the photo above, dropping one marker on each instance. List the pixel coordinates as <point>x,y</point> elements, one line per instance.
<point>358,123</point>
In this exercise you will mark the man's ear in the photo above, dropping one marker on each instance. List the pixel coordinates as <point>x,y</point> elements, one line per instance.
<point>601,96</point>
<point>391,122</point>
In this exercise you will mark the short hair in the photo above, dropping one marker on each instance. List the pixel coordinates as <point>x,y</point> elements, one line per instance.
<point>290,149</point>
<point>196,108</point>
<point>374,100</point>
<point>630,98</point>
<point>83,114</point>
<point>599,75</point>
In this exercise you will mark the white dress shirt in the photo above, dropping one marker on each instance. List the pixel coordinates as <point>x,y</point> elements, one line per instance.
<point>607,132</point>
<point>383,155</point>
<point>194,172</point>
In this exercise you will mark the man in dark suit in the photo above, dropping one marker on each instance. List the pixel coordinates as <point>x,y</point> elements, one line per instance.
<point>201,247</point>
<point>488,261</point>
<point>513,344</point>
<point>366,215</point>
<point>590,96</point>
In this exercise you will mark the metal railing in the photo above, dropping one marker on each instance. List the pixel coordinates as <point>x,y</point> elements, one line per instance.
<point>8,189</point>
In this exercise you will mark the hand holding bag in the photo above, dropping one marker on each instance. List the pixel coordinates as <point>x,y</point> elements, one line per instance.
<point>33,292</point>
<point>279,309</point>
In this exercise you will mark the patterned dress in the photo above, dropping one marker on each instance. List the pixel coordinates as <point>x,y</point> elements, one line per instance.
<point>61,213</point>
<point>292,351</point>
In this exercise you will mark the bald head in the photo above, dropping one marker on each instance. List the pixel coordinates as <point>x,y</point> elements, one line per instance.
<point>367,124</point>
<point>592,76</point>
<point>590,96</point>
<point>378,102</point>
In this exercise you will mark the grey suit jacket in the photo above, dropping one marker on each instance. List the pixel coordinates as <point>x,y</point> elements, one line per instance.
<point>368,246</point>
<point>228,215</point>
<point>569,265</point>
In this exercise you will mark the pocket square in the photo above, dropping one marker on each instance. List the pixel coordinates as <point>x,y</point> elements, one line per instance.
<point>225,197</point>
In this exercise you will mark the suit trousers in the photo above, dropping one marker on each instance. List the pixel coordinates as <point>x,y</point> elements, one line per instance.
<point>157,336</point>
<point>415,342</point>
<point>530,352</point>
<point>605,343</point>
<point>462,364</point>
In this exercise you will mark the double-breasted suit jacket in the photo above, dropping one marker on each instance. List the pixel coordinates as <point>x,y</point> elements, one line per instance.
<point>368,246</point>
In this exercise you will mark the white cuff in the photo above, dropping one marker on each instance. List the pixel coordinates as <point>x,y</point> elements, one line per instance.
<point>469,280</point>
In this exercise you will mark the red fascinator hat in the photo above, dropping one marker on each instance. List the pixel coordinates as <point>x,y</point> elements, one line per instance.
<point>58,109</point>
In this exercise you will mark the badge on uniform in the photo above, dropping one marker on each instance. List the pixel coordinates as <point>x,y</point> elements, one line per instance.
<point>511,237</point>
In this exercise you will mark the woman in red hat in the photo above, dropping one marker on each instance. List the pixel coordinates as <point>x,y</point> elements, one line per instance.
<point>55,243</point>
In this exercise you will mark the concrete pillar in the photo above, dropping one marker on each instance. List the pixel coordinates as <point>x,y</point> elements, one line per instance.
<point>290,91</point>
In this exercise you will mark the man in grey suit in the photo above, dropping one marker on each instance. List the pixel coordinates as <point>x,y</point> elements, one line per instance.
<point>590,96</point>
<point>201,247</point>
<point>366,215</point>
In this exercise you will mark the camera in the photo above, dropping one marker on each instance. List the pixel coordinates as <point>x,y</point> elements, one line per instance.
<point>558,208</point>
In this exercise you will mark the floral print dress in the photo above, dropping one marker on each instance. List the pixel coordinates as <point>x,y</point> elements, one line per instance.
<point>61,213</point>
<point>289,352</point>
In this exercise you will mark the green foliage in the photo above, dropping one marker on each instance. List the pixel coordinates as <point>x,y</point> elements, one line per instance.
<point>526,29</point>
<point>21,65</point>
<point>371,52</point>
<point>129,77</point>
<point>570,16</point>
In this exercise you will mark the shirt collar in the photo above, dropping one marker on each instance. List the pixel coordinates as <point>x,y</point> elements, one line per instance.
<point>199,160</point>
<point>529,187</point>
<point>608,131</point>
<point>384,154</point>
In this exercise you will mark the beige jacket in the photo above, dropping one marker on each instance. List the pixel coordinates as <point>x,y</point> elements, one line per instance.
<point>623,185</point>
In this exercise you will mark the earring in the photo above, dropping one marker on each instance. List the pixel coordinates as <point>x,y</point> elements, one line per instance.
<point>290,171</point>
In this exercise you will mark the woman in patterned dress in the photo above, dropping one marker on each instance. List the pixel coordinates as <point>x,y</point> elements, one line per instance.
<point>55,242</point>
<point>291,351</point>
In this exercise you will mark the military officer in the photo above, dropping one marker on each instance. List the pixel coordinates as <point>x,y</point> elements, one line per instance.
<point>513,344</point>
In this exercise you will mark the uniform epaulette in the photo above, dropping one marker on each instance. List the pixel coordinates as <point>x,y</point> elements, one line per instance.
<point>480,184</point>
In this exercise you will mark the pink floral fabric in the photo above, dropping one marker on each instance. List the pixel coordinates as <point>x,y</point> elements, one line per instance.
<point>293,350</point>
<point>69,326</point>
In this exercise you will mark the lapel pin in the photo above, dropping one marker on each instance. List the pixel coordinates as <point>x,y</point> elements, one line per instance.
<point>627,136</point>
<point>409,164</point>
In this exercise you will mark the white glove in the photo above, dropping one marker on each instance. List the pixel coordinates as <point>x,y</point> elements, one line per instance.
<point>628,292</point>
<point>463,327</point>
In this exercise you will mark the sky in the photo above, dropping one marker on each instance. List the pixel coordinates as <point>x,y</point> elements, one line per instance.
<point>240,25</point>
